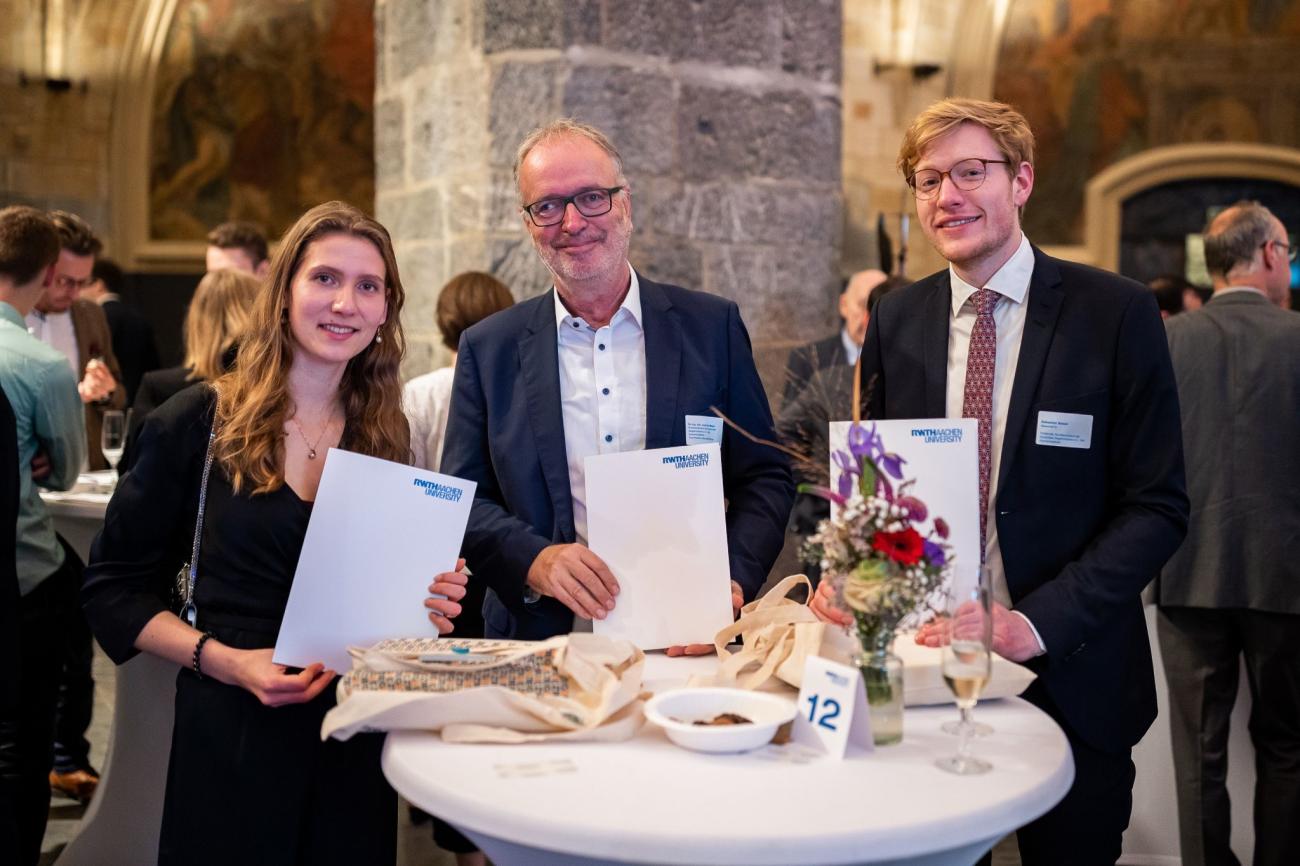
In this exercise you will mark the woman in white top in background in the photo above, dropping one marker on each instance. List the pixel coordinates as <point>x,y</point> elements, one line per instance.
<point>466,299</point>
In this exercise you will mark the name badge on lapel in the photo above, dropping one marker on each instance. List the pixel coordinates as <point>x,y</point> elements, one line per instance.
<point>703,430</point>
<point>1064,430</point>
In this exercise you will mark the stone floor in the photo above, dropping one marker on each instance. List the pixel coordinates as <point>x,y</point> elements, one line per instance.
<point>414,844</point>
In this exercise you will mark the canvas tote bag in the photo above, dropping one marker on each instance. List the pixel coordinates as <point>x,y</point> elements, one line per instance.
<point>572,687</point>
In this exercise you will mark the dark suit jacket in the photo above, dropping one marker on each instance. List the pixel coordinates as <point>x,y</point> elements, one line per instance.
<point>94,340</point>
<point>133,343</point>
<point>806,360</point>
<point>505,431</point>
<point>1082,531</point>
<point>1237,360</point>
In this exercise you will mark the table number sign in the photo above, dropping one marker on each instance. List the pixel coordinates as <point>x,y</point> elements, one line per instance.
<point>832,708</point>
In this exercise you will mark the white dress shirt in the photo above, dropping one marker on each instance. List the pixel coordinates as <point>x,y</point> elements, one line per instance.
<point>55,329</point>
<point>851,349</point>
<point>1011,282</point>
<point>602,390</point>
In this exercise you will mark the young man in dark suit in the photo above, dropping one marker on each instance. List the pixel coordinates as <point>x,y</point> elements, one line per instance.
<point>1066,369</point>
<point>608,361</point>
<point>1232,591</point>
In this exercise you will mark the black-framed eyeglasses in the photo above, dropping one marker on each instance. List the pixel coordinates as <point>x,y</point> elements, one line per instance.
<point>966,175</point>
<point>1286,248</point>
<point>590,203</point>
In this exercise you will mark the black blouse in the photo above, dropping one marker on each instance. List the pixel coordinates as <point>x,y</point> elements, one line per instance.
<point>249,550</point>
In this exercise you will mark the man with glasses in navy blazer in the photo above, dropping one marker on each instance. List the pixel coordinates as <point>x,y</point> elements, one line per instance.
<point>1067,372</point>
<point>608,361</point>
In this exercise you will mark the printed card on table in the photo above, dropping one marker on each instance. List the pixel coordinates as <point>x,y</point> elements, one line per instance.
<point>941,457</point>
<point>656,518</point>
<point>379,533</point>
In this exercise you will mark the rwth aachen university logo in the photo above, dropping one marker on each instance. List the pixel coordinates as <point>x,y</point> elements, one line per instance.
<point>937,435</point>
<point>687,461</point>
<point>439,491</point>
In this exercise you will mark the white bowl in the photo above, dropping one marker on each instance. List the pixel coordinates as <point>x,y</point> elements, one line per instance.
<point>675,710</point>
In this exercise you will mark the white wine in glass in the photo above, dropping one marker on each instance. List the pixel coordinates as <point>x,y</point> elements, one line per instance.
<point>112,436</point>
<point>966,662</point>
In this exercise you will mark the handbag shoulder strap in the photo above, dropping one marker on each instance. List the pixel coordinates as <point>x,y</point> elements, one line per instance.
<point>188,611</point>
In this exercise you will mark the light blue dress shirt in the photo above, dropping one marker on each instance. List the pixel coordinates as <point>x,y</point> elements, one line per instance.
<point>40,386</point>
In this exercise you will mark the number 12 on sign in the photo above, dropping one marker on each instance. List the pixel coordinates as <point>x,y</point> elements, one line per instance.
<point>833,708</point>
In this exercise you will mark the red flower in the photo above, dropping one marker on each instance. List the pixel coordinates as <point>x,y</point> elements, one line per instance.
<point>903,547</point>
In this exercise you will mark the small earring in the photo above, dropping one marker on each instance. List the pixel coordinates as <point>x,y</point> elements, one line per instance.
<point>378,338</point>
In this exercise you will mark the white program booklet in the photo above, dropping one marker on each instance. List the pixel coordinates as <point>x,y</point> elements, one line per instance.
<point>379,533</point>
<point>941,457</point>
<point>657,519</point>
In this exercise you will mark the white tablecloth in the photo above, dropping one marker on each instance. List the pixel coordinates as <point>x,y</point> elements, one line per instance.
<point>648,801</point>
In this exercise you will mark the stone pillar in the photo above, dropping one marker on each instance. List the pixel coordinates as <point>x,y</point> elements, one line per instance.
<point>727,114</point>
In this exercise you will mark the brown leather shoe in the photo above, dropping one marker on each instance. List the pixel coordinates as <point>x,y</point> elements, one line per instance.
<point>79,784</point>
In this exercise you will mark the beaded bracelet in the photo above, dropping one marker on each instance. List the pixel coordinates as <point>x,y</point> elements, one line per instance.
<point>198,650</point>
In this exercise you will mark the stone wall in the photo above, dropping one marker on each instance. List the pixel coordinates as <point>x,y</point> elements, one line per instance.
<point>727,114</point>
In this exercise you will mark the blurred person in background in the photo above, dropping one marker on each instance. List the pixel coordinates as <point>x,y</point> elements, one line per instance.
<point>218,315</point>
<point>129,331</point>
<point>47,411</point>
<point>239,246</point>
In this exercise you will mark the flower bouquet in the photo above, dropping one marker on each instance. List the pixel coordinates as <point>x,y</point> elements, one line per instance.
<point>886,566</point>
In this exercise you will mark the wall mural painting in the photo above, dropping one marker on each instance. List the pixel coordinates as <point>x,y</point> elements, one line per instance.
<point>261,110</point>
<point>1101,80</point>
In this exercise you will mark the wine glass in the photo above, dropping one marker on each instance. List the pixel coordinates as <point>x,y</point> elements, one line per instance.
<point>966,662</point>
<point>112,436</point>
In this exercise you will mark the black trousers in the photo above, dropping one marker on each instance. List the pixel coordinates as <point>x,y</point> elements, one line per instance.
<point>76,686</point>
<point>42,614</point>
<point>1087,827</point>
<point>1202,650</point>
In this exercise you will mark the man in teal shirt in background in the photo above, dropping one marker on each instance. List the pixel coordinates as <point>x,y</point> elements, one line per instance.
<point>49,420</point>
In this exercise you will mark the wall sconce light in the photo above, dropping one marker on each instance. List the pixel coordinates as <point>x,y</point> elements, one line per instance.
<point>54,43</point>
<point>900,54</point>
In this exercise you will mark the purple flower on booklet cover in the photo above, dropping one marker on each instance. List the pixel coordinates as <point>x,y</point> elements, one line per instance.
<point>916,510</point>
<point>934,553</point>
<point>850,469</point>
<point>893,464</point>
<point>860,440</point>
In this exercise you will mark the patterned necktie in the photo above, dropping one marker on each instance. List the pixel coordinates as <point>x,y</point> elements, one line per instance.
<point>977,397</point>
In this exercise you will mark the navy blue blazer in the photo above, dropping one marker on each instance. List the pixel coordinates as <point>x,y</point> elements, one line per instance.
<point>505,431</point>
<point>1082,531</point>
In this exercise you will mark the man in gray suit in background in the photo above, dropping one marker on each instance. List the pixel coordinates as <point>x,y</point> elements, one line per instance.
<point>1233,588</point>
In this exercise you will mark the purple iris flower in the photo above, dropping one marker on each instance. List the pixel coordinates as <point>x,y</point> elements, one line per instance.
<point>860,440</point>
<point>933,552</point>
<point>892,463</point>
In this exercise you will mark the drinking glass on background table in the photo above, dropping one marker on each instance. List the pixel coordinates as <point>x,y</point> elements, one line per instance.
<point>112,436</point>
<point>967,661</point>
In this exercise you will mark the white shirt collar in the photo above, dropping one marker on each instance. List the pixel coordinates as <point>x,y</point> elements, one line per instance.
<point>1011,280</point>
<point>631,303</point>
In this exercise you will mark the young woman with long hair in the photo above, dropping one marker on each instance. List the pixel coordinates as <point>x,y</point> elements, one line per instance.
<point>249,779</point>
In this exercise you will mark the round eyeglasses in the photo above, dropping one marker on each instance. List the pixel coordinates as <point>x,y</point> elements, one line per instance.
<point>590,203</point>
<point>966,175</point>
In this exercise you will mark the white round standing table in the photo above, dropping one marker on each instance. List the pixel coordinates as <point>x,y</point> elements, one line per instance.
<point>649,801</point>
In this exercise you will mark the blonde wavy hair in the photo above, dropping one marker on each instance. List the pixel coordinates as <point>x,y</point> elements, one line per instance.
<point>253,398</point>
<point>1008,128</point>
<point>219,315</point>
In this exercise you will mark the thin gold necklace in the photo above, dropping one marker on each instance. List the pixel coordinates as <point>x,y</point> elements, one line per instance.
<point>311,446</point>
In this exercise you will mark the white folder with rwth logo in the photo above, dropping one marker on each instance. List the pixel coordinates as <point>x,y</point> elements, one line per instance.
<point>379,534</point>
<point>658,521</point>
